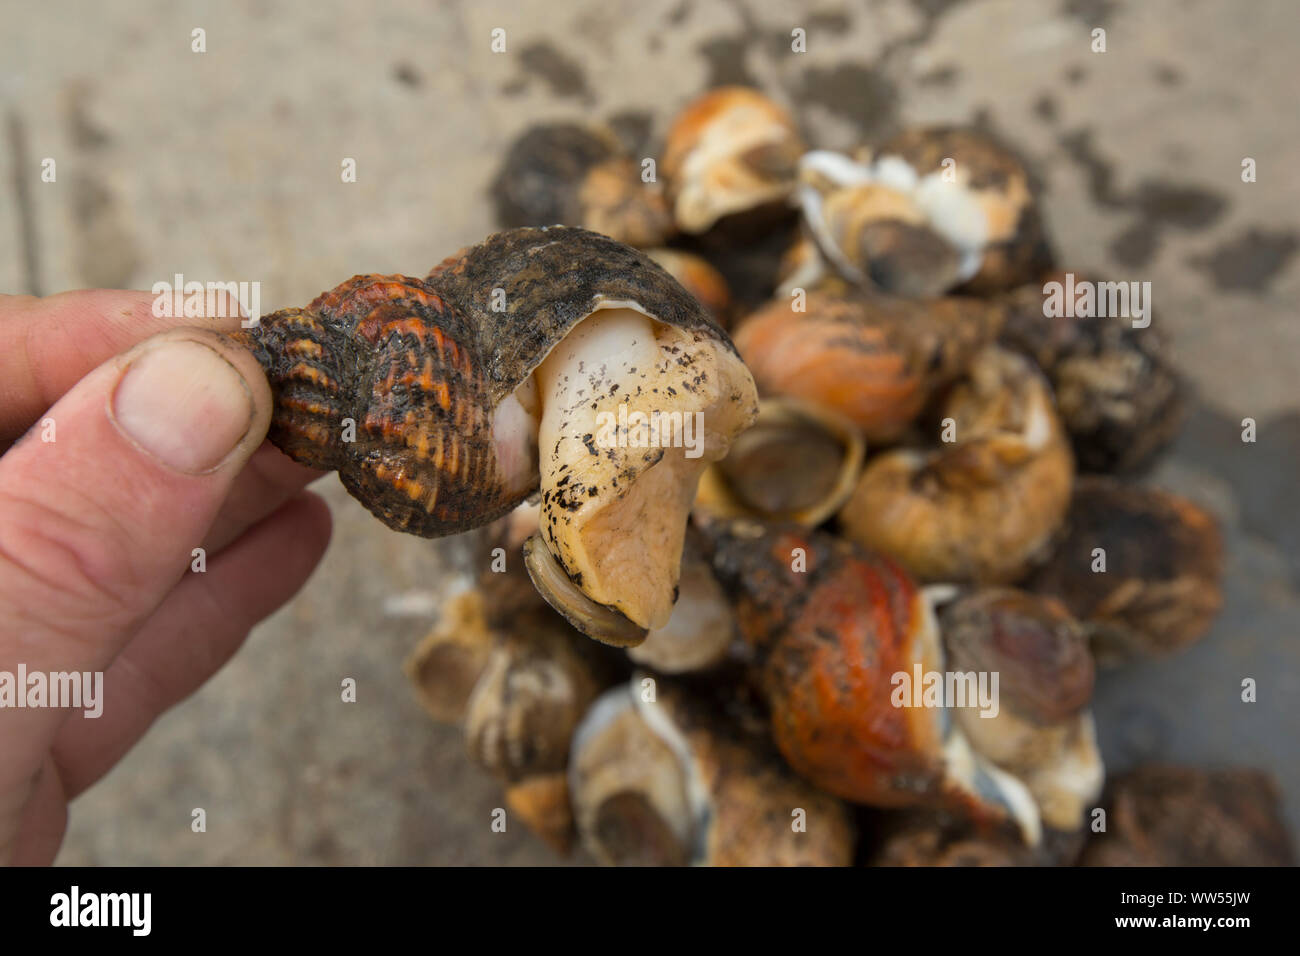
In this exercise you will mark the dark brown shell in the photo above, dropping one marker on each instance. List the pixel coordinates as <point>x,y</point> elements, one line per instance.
<point>579,175</point>
<point>700,279</point>
<point>420,366</point>
<point>552,279</point>
<point>1180,816</point>
<point>1162,587</point>
<point>1118,396</point>
<point>1037,648</point>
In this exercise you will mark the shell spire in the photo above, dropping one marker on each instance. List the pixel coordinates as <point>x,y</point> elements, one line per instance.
<point>375,379</point>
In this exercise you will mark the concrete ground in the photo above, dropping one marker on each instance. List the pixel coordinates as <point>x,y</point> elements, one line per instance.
<point>226,165</point>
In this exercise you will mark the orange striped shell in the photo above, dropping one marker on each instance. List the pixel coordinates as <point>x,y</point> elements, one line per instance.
<point>385,354</point>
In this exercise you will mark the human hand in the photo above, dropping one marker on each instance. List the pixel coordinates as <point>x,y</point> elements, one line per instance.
<point>155,452</point>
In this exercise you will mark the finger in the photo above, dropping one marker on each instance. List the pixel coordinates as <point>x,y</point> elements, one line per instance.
<point>47,345</point>
<point>31,836</point>
<point>98,525</point>
<point>268,480</point>
<point>188,639</point>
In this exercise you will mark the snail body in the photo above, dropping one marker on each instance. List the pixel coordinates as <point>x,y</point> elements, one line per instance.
<point>452,383</point>
<point>700,633</point>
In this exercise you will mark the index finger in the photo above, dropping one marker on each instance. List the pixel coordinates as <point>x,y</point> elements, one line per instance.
<point>48,344</point>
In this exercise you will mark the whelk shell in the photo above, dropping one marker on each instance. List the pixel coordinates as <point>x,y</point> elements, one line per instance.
<point>580,175</point>
<point>730,151</point>
<point>667,781</point>
<point>1180,816</point>
<point>1163,580</point>
<point>985,507</point>
<point>1043,731</point>
<point>829,627</point>
<point>1117,394</point>
<point>875,360</point>
<point>451,382</point>
<point>799,462</point>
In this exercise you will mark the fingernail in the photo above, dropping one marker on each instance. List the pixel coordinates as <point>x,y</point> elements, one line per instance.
<point>183,403</point>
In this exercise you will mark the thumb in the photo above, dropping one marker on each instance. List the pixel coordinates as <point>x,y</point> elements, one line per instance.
<point>103,501</point>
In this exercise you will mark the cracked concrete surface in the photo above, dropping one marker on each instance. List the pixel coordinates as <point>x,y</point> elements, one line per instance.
<point>225,165</point>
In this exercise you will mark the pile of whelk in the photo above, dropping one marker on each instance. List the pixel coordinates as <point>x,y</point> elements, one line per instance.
<point>921,474</point>
<point>924,421</point>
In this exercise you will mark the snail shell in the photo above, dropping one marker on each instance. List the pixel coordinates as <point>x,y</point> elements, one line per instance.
<point>986,507</point>
<point>874,360</point>
<point>988,210</point>
<point>799,462</point>
<point>389,363</point>
<point>536,685</point>
<point>1042,731</point>
<point>438,376</point>
<point>730,151</point>
<point>827,640</point>
<point>1163,584</point>
<point>536,681</point>
<point>667,781</point>
<point>1117,395</point>
<point>1181,816</point>
<point>579,175</point>
<point>1040,651</point>
<point>613,518</point>
<point>871,233</point>
<point>930,210</point>
<point>447,664</point>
